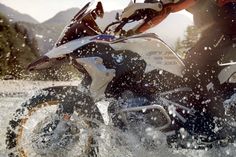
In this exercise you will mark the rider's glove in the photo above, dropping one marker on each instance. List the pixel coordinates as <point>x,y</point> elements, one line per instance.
<point>127,33</point>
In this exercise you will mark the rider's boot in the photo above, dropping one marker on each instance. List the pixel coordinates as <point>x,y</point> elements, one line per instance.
<point>209,120</point>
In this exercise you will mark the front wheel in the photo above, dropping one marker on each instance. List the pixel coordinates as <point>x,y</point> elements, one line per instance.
<point>36,129</point>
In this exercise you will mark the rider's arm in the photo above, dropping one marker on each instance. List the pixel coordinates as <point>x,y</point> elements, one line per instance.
<point>167,9</point>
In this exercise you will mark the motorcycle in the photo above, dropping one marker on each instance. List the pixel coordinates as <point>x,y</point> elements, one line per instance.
<point>138,76</point>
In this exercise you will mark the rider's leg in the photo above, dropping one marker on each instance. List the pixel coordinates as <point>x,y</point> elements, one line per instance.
<point>202,71</point>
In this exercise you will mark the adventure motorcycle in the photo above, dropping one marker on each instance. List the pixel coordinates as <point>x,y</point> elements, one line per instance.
<point>139,76</point>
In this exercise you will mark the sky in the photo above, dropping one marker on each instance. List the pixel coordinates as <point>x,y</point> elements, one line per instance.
<point>42,10</point>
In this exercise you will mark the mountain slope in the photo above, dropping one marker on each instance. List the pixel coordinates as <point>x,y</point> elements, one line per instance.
<point>45,34</point>
<point>15,15</point>
<point>62,17</point>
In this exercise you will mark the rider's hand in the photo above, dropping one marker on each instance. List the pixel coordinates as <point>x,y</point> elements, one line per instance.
<point>130,32</point>
<point>127,33</point>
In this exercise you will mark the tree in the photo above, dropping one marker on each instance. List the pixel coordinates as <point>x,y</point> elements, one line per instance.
<point>15,52</point>
<point>191,37</point>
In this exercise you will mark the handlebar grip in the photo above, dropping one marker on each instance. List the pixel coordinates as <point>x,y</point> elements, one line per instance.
<point>120,26</point>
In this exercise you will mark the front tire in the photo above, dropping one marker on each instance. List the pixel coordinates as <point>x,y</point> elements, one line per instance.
<point>51,97</point>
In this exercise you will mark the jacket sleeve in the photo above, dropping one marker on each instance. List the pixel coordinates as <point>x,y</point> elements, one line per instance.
<point>223,2</point>
<point>167,9</point>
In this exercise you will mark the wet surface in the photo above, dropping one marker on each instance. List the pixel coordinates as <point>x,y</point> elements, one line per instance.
<point>14,94</point>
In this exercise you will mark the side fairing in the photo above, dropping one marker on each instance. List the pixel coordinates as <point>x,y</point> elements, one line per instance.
<point>154,51</point>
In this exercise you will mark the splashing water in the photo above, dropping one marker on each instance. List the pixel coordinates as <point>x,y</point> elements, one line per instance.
<point>116,143</point>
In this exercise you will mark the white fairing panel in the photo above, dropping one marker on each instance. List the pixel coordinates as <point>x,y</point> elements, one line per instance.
<point>154,51</point>
<point>226,73</point>
<point>68,47</point>
<point>101,76</point>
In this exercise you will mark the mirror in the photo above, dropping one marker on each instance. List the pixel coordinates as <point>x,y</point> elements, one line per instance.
<point>117,16</point>
<point>99,9</point>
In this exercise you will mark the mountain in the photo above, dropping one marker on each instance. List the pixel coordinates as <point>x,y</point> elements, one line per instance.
<point>45,34</point>
<point>15,15</point>
<point>62,17</point>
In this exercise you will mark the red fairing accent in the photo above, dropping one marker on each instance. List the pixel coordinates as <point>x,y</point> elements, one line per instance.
<point>223,2</point>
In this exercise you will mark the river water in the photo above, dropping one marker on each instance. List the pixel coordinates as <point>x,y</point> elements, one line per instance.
<point>14,93</point>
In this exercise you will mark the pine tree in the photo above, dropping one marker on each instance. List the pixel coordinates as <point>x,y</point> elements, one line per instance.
<point>191,37</point>
<point>15,52</point>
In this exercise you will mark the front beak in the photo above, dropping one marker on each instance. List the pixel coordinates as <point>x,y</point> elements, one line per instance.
<point>41,63</point>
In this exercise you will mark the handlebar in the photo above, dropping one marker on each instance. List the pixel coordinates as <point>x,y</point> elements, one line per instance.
<point>119,27</point>
<point>145,14</point>
<point>141,13</point>
<point>122,23</point>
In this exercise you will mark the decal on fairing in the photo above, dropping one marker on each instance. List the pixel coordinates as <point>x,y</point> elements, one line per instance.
<point>154,51</point>
<point>104,37</point>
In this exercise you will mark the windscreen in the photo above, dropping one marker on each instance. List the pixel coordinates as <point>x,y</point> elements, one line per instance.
<point>83,24</point>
